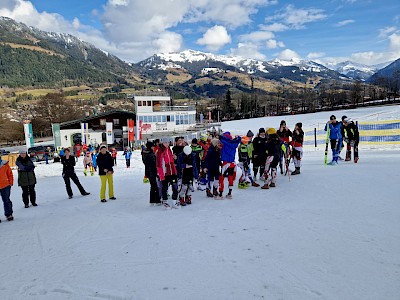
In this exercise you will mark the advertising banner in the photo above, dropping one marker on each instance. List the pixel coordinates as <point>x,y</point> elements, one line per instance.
<point>109,133</point>
<point>140,130</point>
<point>131,132</point>
<point>56,135</point>
<point>28,135</point>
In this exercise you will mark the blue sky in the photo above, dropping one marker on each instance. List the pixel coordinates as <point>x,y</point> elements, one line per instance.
<point>365,31</point>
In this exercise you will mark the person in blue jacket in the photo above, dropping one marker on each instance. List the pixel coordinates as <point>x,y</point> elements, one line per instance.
<point>128,154</point>
<point>229,146</point>
<point>335,137</point>
<point>94,159</point>
<point>187,172</point>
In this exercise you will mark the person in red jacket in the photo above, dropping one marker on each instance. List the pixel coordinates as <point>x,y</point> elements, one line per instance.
<point>6,181</point>
<point>167,173</point>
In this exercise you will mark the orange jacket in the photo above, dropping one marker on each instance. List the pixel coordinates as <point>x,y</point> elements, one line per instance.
<point>6,175</point>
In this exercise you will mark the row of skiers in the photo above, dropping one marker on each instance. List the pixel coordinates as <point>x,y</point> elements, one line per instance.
<point>212,159</point>
<point>339,132</point>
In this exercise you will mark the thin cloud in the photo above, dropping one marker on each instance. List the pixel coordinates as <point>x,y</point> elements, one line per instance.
<point>344,23</point>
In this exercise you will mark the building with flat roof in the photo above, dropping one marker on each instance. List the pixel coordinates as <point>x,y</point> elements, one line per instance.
<point>155,115</point>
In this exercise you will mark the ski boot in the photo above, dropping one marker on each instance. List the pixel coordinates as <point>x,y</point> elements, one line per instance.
<point>85,172</point>
<point>228,196</point>
<point>296,172</point>
<point>219,196</point>
<point>265,186</point>
<point>103,200</point>
<point>209,194</point>
<point>188,199</point>
<point>255,184</point>
<point>175,204</point>
<point>10,218</point>
<point>355,160</point>
<point>215,192</point>
<point>272,184</point>
<point>242,185</point>
<point>182,201</point>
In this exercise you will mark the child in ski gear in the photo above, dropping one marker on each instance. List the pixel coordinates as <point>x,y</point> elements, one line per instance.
<point>77,151</point>
<point>68,162</point>
<point>26,178</point>
<point>128,155</point>
<point>187,171</point>
<point>6,181</point>
<point>259,154</point>
<point>352,138</point>
<point>94,159</point>
<point>284,134</point>
<point>114,155</point>
<point>244,162</point>
<point>335,137</point>
<point>150,171</point>
<point>273,148</point>
<point>167,173</point>
<point>105,162</point>
<point>88,164</point>
<point>212,164</point>
<point>297,144</point>
<point>228,168</point>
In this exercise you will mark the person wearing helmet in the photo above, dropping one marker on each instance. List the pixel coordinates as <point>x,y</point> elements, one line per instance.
<point>259,154</point>
<point>284,134</point>
<point>187,172</point>
<point>297,144</point>
<point>228,152</point>
<point>244,162</point>
<point>352,138</point>
<point>273,148</point>
<point>212,167</point>
<point>335,136</point>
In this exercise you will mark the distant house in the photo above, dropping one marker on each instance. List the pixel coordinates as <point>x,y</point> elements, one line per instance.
<point>155,115</point>
<point>71,131</point>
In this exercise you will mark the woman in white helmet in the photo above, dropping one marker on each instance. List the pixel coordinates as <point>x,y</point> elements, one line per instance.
<point>187,172</point>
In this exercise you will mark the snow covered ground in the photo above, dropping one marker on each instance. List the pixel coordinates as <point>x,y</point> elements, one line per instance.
<point>330,233</point>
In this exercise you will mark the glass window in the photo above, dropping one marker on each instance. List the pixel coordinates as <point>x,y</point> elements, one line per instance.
<point>163,119</point>
<point>145,119</point>
<point>148,103</point>
<point>139,103</point>
<point>154,119</point>
<point>158,118</point>
<point>140,118</point>
<point>172,118</point>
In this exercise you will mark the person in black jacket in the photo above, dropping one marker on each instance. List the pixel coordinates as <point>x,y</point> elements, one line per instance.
<point>150,171</point>
<point>352,137</point>
<point>212,167</point>
<point>68,162</point>
<point>26,178</point>
<point>272,151</point>
<point>105,163</point>
<point>259,154</point>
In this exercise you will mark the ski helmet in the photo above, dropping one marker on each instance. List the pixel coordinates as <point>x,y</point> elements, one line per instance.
<point>271,131</point>
<point>187,150</point>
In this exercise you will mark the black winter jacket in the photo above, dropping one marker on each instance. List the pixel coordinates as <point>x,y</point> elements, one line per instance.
<point>68,164</point>
<point>105,161</point>
<point>26,174</point>
<point>150,168</point>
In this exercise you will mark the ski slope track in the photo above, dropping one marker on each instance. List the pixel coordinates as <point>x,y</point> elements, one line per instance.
<point>332,232</point>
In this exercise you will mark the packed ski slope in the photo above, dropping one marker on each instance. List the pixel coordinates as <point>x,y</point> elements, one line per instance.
<point>330,233</point>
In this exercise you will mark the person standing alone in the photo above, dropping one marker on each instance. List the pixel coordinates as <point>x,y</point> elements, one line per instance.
<point>6,181</point>
<point>26,178</point>
<point>68,162</point>
<point>105,164</point>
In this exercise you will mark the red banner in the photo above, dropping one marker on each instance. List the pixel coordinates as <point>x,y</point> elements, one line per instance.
<point>140,130</point>
<point>131,132</point>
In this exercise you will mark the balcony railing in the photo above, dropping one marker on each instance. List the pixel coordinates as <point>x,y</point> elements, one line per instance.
<point>173,108</point>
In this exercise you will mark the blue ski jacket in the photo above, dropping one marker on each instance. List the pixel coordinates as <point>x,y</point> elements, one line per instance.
<point>229,148</point>
<point>335,130</point>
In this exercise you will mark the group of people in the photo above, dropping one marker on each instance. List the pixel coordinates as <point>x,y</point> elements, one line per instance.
<point>339,132</point>
<point>206,163</point>
<point>211,160</point>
